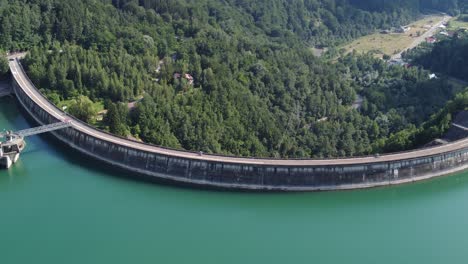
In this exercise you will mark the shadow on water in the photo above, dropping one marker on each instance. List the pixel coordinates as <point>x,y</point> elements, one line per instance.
<point>9,111</point>
<point>92,165</point>
<point>18,118</point>
<point>16,175</point>
<point>410,191</point>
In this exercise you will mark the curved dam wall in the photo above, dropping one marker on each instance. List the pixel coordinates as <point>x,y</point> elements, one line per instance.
<point>249,175</point>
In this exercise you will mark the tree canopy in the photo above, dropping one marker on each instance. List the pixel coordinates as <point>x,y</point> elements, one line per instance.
<point>229,77</point>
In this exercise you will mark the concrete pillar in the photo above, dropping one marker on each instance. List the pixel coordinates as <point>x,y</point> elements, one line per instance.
<point>5,162</point>
<point>15,157</point>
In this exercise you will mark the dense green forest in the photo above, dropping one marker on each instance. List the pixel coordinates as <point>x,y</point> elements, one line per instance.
<point>447,56</point>
<point>453,7</point>
<point>229,77</point>
<point>437,125</point>
<point>27,23</point>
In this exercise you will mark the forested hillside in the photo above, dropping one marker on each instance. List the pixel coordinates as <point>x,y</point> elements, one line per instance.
<point>448,56</point>
<point>229,77</point>
<point>451,6</point>
<point>26,23</point>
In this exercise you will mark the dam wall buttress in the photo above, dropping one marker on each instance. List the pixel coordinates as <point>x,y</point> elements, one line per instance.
<point>248,175</point>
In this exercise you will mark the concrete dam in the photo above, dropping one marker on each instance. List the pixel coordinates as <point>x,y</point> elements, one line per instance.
<point>214,171</point>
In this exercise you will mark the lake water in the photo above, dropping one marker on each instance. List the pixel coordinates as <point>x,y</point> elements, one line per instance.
<point>58,207</point>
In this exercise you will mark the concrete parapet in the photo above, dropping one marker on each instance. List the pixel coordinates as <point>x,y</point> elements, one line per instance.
<point>229,175</point>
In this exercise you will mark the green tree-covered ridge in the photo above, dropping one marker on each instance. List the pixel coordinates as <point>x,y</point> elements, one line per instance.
<point>257,90</point>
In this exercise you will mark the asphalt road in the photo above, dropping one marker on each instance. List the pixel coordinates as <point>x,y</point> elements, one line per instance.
<point>33,93</point>
<point>423,37</point>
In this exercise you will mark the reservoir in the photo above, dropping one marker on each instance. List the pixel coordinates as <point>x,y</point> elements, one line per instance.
<point>59,207</point>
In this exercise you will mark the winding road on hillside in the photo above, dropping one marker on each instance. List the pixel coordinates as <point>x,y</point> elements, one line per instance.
<point>418,40</point>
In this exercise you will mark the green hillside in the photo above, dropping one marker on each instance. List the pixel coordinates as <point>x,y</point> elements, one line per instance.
<point>231,77</point>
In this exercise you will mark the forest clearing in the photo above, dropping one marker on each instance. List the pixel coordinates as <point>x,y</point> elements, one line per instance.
<point>381,43</point>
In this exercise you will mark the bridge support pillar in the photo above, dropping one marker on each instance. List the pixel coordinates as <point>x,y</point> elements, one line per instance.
<point>7,161</point>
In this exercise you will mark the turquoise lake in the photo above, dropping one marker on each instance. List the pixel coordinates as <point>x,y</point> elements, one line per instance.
<point>59,207</point>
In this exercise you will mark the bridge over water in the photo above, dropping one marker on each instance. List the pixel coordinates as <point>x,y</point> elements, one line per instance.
<point>217,171</point>
<point>14,142</point>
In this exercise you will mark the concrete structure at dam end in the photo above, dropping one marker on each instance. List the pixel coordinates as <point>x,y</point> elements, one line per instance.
<point>201,170</point>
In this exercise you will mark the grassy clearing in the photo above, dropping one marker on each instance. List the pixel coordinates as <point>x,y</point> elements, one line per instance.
<point>457,23</point>
<point>97,106</point>
<point>392,43</point>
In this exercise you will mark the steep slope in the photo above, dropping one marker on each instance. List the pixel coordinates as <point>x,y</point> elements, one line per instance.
<point>229,77</point>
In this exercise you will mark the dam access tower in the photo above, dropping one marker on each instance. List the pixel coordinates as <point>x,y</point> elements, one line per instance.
<point>13,143</point>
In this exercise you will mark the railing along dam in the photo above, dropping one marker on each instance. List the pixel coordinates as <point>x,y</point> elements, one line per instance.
<point>240,173</point>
